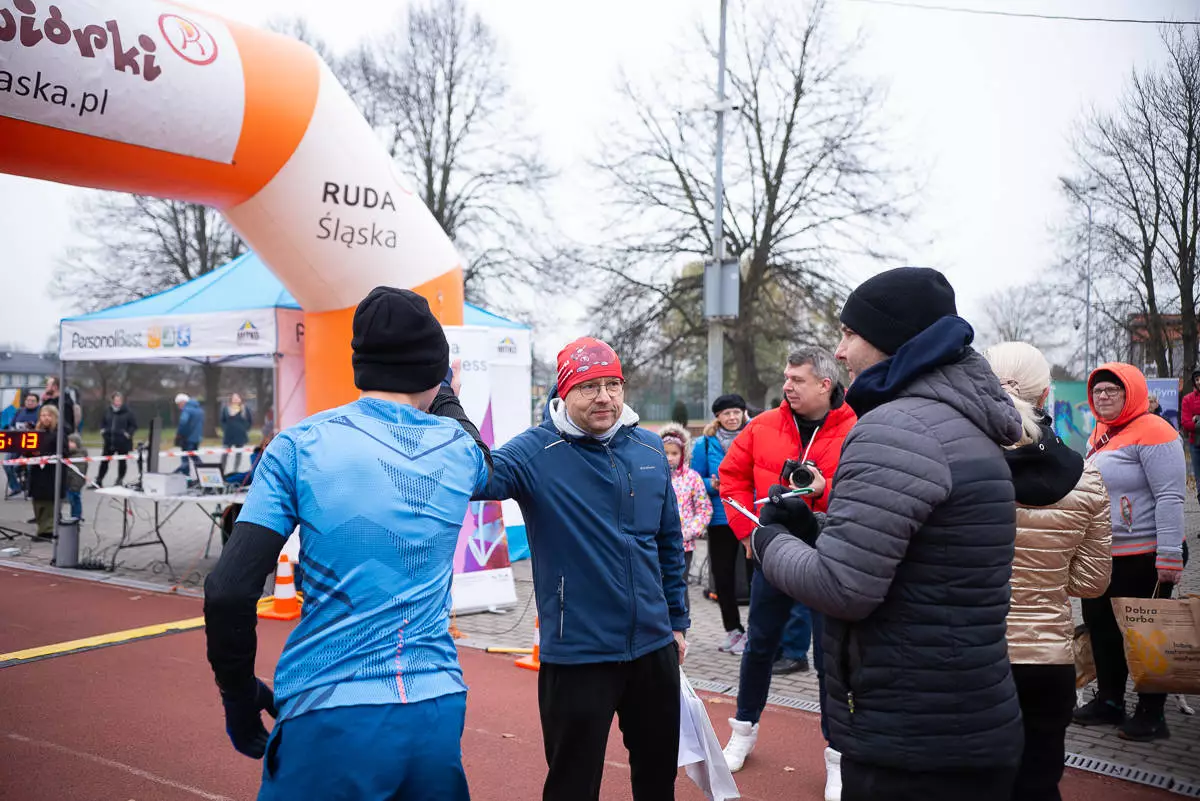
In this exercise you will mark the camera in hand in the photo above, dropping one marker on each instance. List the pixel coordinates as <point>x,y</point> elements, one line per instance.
<point>797,473</point>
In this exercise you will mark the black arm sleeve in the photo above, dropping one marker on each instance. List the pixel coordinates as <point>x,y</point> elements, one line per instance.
<point>231,594</point>
<point>446,405</point>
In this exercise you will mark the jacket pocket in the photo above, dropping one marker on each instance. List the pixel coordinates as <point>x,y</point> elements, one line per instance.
<point>562,605</point>
<point>850,658</point>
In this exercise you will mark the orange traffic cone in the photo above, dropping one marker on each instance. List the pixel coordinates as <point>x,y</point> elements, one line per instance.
<point>285,606</point>
<point>533,661</point>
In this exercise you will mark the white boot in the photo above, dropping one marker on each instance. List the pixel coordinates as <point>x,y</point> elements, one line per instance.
<point>741,743</point>
<point>833,775</point>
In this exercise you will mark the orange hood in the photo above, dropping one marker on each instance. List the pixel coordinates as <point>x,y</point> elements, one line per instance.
<point>1137,396</point>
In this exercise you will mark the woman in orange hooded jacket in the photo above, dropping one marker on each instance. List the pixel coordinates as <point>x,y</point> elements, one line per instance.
<point>1140,457</point>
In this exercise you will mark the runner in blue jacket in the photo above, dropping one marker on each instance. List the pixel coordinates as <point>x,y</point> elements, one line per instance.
<point>369,698</point>
<point>604,533</point>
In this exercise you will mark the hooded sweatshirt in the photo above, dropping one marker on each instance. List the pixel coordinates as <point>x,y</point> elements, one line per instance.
<point>1140,457</point>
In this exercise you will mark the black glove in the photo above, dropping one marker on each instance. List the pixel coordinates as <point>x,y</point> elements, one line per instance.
<point>243,718</point>
<point>762,536</point>
<point>794,514</point>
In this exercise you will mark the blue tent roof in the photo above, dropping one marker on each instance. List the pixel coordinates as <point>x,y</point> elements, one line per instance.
<point>242,284</point>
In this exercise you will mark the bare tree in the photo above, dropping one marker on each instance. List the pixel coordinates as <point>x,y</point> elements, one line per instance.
<point>1024,313</point>
<point>139,246</point>
<point>806,187</point>
<point>435,89</point>
<point>1139,170</point>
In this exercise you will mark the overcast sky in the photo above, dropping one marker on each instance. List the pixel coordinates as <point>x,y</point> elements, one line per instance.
<point>985,106</point>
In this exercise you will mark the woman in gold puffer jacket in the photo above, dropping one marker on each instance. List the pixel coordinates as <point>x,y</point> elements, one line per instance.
<point>1063,549</point>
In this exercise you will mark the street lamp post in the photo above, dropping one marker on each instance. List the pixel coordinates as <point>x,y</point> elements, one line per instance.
<point>1087,314</point>
<point>716,326</point>
<point>1084,195</point>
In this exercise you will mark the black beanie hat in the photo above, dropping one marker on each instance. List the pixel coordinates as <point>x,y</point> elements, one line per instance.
<point>1105,375</point>
<point>724,402</point>
<point>399,346</point>
<point>891,308</point>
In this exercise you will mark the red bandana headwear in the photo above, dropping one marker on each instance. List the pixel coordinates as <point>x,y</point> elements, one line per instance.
<point>584,359</point>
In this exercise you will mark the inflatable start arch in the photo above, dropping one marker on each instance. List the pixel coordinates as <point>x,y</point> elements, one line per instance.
<point>149,97</point>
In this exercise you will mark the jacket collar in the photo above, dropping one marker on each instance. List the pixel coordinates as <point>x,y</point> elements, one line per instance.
<point>562,422</point>
<point>944,342</point>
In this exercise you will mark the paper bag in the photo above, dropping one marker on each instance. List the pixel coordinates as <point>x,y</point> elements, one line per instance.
<point>699,748</point>
<point>1162,643</point>
<point>1085,663</point>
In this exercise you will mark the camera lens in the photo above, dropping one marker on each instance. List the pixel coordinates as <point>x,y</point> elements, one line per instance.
<point>802,477</point>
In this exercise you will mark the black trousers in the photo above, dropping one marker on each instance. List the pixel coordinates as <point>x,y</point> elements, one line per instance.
<point>1047,696</point>
<point>577,704</point>
<point>1132,577</point>
<point>122,465</point>
<point>723,547</point>
<point>864,782</point>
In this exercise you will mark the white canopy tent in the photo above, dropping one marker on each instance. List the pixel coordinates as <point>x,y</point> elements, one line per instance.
<point>239,315</point>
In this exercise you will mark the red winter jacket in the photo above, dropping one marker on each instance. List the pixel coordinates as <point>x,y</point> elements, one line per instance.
<point>1191,408</point>
<point>757,455</point>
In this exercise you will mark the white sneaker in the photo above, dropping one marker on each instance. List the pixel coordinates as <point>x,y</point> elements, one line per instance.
<point>741,743</point>
<point>739,645</point>
<point>833,775</point>
<point>731,637</point>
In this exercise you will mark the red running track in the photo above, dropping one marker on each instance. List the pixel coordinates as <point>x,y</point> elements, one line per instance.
<point>141,721</point>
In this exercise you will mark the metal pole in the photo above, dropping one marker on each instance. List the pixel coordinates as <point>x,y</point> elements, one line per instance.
<point>63,400</point>
<point>1087,317</point>
<point>716,328</point>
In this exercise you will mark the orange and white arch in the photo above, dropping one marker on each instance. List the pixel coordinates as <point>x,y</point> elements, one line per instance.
<point>154,98</point>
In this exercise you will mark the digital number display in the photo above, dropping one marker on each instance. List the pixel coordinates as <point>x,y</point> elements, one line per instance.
<point>21,441</point>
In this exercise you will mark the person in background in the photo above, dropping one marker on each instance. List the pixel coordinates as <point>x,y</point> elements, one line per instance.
<point>26,418</point>
<point>76,481</point>
<point>235,429</point>
<point>7,416</point>
<point>41,477</point>
<point>190,430</point>
<point>1063,550</point>
<point>809,426</point>
<point>1188,418</point>
<point>241,481</point>
<point>730,418</point>
<point>51,397</point>
<point>1153,405</point>
<point>695,509</point>
<point>116,434</point>
<point>1141,458</point>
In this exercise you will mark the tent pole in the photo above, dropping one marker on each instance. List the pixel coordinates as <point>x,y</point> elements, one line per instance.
<point>63,400</point>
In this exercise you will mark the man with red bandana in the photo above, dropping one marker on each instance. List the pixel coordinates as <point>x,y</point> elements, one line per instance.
<point>604,532</point>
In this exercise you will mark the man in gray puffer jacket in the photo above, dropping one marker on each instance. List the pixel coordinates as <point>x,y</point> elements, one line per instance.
<point>914,557</point>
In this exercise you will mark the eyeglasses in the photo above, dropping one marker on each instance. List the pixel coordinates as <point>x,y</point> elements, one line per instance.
<point>590,391</point>
<point>1107,392</point>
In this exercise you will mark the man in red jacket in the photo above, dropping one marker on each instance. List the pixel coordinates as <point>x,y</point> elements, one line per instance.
<point>810,425</point>
<point>1189,411</point>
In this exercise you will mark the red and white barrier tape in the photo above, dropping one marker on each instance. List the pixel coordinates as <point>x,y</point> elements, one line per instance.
<point>42,461</point>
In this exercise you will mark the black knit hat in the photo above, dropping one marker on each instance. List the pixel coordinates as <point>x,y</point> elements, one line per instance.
<point>891,308</point>
<point>1105,375</point>
<point>399,346</point>
<point>732,401</point>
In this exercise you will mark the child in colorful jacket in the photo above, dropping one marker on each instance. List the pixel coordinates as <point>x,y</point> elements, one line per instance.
<point>695,509</point>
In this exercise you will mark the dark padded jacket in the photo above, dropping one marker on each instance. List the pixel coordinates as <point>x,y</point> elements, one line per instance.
<point>913,564</point>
